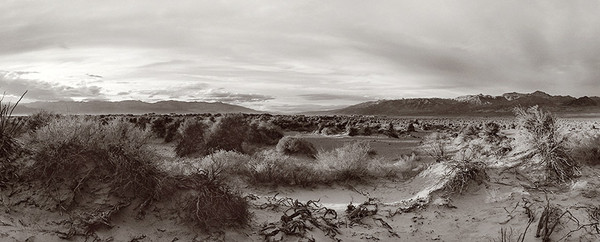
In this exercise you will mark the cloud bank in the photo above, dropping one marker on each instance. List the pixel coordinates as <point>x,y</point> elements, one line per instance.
<point>276,55</point>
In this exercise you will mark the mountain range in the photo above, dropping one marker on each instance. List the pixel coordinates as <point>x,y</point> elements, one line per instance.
<point>130,107</point>
<point>476,105</point>
<point>470,105</point>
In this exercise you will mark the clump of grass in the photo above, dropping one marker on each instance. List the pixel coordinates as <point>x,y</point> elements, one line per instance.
<point>9,147</point>
<point>539,133</point>
<point>290,145</point>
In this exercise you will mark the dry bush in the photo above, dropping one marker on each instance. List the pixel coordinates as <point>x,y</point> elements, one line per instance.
<point>436,146</point>
<point>274,168</point>
<point>263,133</point>
<point>75,151</point>
<point>296,146</point>
<point>228,133</point>
<point>464,173</point>
<point>302,217</point>
<point>171,131</point>
<point>224,163</point>
<point>209,203</point>
<point>349,162</point>
<point>539,134</point>
<point>192,139</point>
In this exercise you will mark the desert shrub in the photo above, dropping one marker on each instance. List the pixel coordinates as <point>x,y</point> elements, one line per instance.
<point>224,163</point>
<point>192,141</point>
<point>228,133</point>
<point>159,126</point>
<point>349,162</point>
<point>465,172</point>
<point>263,133</point>
<point>270,167</point>
<point>410,128</point>
<point>436,146</point>
<point>171,130</point>
<point>588,151</point>
<point>290,145</point>
<point>9,147</point>
<point>39,119</point>
<point>539,134</point>
<point>491,129</point>
<point>209,203</point>
<point>74,149</point>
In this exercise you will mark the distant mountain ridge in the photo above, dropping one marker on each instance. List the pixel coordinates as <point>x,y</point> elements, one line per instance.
<point>131,107</point>
<point>473,105</point>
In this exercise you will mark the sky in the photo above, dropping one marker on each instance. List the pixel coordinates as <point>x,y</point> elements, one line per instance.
<point>291,56</point>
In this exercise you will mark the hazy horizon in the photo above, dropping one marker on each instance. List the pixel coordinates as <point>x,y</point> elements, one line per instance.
<point>294,56</point>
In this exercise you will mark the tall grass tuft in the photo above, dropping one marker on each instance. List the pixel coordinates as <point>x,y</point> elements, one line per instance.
<point>9,147</point>
<point>539,134</point>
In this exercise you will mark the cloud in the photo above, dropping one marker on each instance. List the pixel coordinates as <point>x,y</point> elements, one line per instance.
<point>13,84</point>
<point>220,95</point>
<point>329,97</point>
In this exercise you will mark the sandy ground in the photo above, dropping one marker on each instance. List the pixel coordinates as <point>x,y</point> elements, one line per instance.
<point>478,214</point>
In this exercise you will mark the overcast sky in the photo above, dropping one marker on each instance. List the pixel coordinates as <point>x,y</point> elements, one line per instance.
<point>296,55</point>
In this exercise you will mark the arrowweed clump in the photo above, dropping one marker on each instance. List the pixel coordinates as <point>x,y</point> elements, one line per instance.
<point>539,134</point>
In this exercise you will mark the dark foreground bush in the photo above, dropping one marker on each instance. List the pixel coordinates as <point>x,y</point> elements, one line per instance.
<point>296,146</point>
<point>87,161</point>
